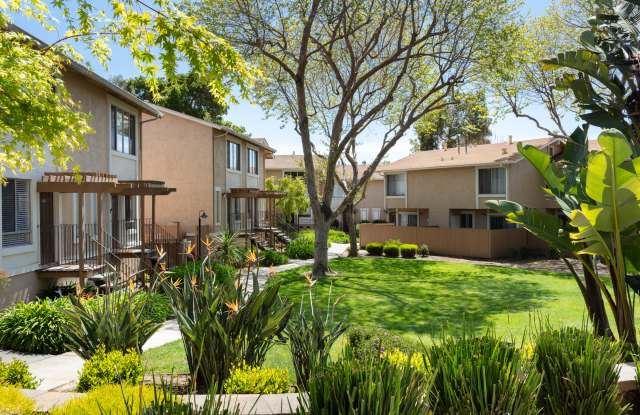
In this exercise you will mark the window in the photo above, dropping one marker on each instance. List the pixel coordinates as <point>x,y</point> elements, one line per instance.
<point>123,131</point>
<point>499,222</point>
<point>294,174</point>
<point>233,156</point>
<point>409,219</point>
<point>376,214</point>
<point>252,161</point>
<point>364,215</point>
<point>466,220</point>
<point>492,181</point>
<point>16,213</point>
<point>395,184</point>
<point>218,205</point>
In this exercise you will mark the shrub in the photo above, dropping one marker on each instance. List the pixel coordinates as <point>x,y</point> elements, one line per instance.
<point>224,327</point>
<point>16,373</point>
<point>416,360</point>
<point>35,327</point>
<point>156,306</point>
<point>335,236</point>
<point>482,375</point>
<point>273,258</point>
<point>247,379</point>
<point>391,250</point>
<point>408,250</point>
<point>110,368</point>
<point>375,248</point>
<point>114,321</point>
<point>301,248</point>
<point>224,274</point>
<point>579,372</point>
<point>370,342</point>
<point>374,387</point>
<point>423,251</point>
<point>14,402</point>
<point>108,399</point>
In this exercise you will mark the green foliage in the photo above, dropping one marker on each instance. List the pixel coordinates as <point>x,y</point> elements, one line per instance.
<point>222,274</point>
<point>223,327</point>
<point>156,306</point>
<point>368,343</point>
<point>247,379</point>
<point>273,258</point>
<point>226,249</point>
<point>408,250</point>
<point>423,250</point>
<point>115,367</point>
<point>108,399</point>
<point>16,373</point>
<point>335,236</point>
<point>579,373</point>
<point>391,249</point>
<point>375,248</point>
<point>35,327</point>
<point>482,375</point>
<point>301,248</point>
<point>115,322</point>
<point>464,122</point>
<point>295,200</point>
<point>373,387</point>
<point>14,402</point>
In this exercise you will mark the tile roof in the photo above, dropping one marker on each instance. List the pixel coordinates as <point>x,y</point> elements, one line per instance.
<point>475,155</point>
<point>295,162</point>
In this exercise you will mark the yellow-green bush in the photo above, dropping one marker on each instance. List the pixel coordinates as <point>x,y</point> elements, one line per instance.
<point>16,373</point>
<point>109,399</point>
<point>110,368</point>
<point>14,402</point>
<point>247,379</point>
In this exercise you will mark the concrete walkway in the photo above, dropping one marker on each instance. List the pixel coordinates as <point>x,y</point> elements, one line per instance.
<point>60,372</point>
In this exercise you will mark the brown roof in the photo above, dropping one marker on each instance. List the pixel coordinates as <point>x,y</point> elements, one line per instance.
<point>476,155</point>
<point>296,162</point>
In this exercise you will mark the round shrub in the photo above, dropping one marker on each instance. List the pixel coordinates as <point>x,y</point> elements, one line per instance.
<point>423,251</point>
<point>157,306</point>
<point>16,373</point>
<point>109,399</point>
<point>301,248</point>
<point>14,402</point>
<point>391,250</point>
<point>375,248</point>
<point>110,368</point>
<point>408,250</point>
<point>35,327</point>
<point>247,379</point>
<point>273,258</point>
<point>371,342</point>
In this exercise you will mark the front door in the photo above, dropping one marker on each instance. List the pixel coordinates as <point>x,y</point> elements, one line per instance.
<point>47,230</point>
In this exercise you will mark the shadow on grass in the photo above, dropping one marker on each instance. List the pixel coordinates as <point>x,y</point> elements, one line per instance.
<point>423,297</point>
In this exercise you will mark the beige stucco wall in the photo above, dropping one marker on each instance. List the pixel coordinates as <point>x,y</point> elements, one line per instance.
<point>180,153</point>
<point>525,186</point>
<point>374,195</point>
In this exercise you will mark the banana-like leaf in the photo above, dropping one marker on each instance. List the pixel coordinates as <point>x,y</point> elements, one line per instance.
<point>541,161</point>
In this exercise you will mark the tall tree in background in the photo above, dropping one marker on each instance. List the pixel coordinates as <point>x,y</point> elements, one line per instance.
<point>40,120</point>
<point>335,68</point>
<point>466,121</point>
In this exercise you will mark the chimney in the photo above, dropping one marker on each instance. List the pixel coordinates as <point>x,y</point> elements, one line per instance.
<point>510,139</point>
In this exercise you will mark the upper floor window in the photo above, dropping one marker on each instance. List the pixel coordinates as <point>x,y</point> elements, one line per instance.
<point>16,213</point>
<point>294,174</point>
<point>492,181</point>
<point>252,161</point>
<point>396,185</point>
<point>233,156</point>
<point>123,131</point>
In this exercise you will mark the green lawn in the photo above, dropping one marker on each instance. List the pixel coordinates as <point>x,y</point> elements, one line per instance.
<point>420,299</point>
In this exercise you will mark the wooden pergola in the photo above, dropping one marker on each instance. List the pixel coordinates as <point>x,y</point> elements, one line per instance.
<point>253,194</point>
<point>101,183</point>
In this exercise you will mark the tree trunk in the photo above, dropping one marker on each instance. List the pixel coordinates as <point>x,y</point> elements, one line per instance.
<point>351,227</point>
<point>321,257</point>
<point>595,305</point>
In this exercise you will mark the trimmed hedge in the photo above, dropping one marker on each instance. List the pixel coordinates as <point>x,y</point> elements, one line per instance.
<point>111,368</point>
<point>391,250</point>
<point>408,250</point>
<point>301,248</point>
<point>273,258</point>
<point>375,248</point>
<point>263,380</point>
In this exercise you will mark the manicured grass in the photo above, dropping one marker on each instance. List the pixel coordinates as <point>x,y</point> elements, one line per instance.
<point>335,236</point>
<point>420,299</point>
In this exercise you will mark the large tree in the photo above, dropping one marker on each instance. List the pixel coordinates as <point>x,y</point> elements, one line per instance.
<point>466,121</point>
<point>336,68</point>
<point>38,117</point>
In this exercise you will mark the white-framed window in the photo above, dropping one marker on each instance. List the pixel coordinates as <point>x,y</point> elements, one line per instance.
<point>409,219</point>
<point>233,156</point>
<point>16,213</point>
<point>364,214</point>
<point>218,205</point>
<point>376,214</point>
<point>252,161</point>
<point>396,184</point>
<point>294,174</point>
<point>492,181</point>
<point>123,131</point>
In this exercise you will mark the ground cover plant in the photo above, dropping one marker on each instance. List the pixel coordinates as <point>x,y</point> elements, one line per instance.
<point>270,258</point>
<point>16,373</point>
<point>115,367</point>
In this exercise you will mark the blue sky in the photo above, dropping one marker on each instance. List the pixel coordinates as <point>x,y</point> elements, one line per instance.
<point>283,137</point>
